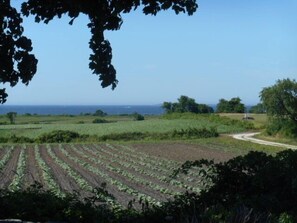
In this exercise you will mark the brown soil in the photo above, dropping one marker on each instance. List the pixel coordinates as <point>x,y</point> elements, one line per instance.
<point>33,172</point>
<point>65,182</point>
<point>182,152</point>
<point>8,172</point>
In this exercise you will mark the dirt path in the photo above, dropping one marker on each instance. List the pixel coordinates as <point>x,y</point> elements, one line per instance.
<point>249,137</point>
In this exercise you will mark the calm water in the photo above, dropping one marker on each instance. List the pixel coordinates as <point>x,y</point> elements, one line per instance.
<point>78,109</point>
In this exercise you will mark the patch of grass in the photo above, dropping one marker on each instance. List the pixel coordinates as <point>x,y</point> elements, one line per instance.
<point>278,139</point>
<point>238,147</point>
<point>259,120</point>
<point>153,124</point>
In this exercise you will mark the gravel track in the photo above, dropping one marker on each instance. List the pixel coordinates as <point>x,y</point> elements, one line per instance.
<point>250,137</point>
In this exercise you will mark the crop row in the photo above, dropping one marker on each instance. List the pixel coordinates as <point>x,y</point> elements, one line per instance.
<point>153,171</point>
<point>107,178</point>
<point>128,173</point>
<point>135,179</point>
<point>155,163</point>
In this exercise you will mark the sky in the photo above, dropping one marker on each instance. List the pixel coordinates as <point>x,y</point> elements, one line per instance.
<point>226,49</point>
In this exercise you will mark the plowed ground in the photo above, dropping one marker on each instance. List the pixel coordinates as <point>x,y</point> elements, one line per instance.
<point>130,172</point>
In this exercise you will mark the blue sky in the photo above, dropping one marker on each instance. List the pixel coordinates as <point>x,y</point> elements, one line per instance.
<point>226,49</point>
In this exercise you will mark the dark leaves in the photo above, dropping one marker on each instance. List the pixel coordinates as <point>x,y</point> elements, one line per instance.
<point>3,96</point>
<point>16,61</point>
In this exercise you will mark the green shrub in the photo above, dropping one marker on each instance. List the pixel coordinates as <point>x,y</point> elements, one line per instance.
<point>99,120</point>
<point>283,127</point>
<point>138,117</point>
<point>20,139</point>
<point>3,140</point>
<point>58,136</point>
<point>262,183</point>
<point>100,113</point>
<point>39,205</point>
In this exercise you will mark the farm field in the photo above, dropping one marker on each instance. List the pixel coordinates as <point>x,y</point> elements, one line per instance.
<point>128,172</point>
<point>34,126</point>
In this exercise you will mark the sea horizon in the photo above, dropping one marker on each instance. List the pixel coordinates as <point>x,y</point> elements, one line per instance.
<point>82,109</point>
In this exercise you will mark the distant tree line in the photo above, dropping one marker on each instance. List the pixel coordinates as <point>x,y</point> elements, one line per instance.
<point>186,104</point>
<point>232,106</point>
<point>258,109</point>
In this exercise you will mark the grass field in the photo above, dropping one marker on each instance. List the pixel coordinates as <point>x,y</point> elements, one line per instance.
<point>259,120</point>
<point>34,126</point>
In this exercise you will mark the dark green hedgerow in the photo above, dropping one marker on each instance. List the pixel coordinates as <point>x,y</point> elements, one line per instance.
<point>62,136</point>
<point>58,136</point>
<point>189,133</point>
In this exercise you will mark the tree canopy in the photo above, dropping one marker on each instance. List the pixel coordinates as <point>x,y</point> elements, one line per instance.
<point>232,106</point>
<point>186,104</point>
<point>17,63</point>
<point>280,101</point>
<point>258,109</point>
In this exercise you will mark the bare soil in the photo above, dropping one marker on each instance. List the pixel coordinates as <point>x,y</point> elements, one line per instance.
<point>33,173</point>
<point>65,182</point>
<point>9,171</point>
<point>182,152</point>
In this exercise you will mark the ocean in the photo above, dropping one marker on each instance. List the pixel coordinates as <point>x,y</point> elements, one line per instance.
<point>79,109</point>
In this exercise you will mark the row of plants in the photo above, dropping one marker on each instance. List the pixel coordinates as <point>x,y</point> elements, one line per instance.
<point>101,161</point>
<point>47,175</point>
<point>108,179</point>
<point>159,164</point>
<point>17,181</point>
<point>6,157</point>
<point>138,166</point>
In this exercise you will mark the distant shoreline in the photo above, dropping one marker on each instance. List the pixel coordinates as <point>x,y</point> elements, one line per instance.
<point>82,109</point>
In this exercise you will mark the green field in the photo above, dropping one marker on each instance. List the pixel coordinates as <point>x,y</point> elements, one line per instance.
<point>34,126</point>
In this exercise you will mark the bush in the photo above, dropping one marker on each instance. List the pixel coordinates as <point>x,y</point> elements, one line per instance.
<point>58,136</point>
<point>283,127</point>
<point>138,117</point>
<point>100,113</point>
<point>264,184</point>
<point>99,120</point>
<point>39,205</point>
<point>195,133</point>
<point>20,139</point>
